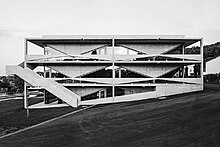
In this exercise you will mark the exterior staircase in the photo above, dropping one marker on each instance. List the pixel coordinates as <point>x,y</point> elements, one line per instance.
<point>34,79</point>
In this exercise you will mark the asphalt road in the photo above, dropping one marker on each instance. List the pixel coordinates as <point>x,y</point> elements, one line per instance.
<point>183,120</point>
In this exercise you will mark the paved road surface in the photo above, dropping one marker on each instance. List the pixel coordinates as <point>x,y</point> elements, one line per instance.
<point>185,120</point>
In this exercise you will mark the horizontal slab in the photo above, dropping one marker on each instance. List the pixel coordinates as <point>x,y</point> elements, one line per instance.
<point>186,56</point>
<point>124,98</point>
<point>110,62</point>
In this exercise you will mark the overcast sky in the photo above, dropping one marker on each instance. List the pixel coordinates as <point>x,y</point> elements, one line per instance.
<point>30,18</point>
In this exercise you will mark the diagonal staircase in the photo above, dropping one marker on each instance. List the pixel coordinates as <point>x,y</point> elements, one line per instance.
<point>53,87</point>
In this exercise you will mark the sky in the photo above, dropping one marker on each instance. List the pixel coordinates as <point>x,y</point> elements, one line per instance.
<point>34,18</point>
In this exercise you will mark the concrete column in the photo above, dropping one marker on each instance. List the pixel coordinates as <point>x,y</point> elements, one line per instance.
<point>119,72</point>
<point>183,71</point>
<point>105,93</point>
<point>44,72</point>
<point>105,50</point>
<point>25,84</point>
<point>25,66</point>
<point>113,68</point>
<point>99,93</point>
<point>44,69</point>
<point>50,73</point>
<point>183,50</point>
<point>202,60</point>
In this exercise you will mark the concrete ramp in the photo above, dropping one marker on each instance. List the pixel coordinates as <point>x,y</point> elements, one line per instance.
<point>34,79</point>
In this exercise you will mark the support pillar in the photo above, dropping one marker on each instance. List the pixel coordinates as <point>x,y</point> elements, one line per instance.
<point>113,68</point>
<point>105,50</point>
<point>50,73</point>
<point>105,93</point>
<point>183,71</point>
<point>119,72</point>
<point>202,61</point>
<point>25,84</point>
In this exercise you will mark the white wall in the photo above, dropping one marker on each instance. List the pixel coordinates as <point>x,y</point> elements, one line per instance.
<point>213,66</point>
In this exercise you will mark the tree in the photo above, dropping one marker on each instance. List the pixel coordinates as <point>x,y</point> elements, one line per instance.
<point>19,84</point>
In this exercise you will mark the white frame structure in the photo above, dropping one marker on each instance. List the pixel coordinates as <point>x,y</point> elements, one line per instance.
<point>147,73</point>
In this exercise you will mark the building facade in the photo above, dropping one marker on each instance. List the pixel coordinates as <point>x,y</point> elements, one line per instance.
<point>98,69</point>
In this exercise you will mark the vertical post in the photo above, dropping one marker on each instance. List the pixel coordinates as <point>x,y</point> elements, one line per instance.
<point>99,93</point>
<point>113,68</point>
<point>50,73</point>
<point>105,50</point>
<point>25,84</point>
<point>119,73</point>
<point>183,71</point>
<point>105,93</point>
<point>183,50</point>
<point>45,94</point>
<point>202,60</point>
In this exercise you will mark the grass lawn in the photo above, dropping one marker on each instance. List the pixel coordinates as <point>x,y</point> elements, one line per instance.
<point>182,120</point>
<point>13,115</point>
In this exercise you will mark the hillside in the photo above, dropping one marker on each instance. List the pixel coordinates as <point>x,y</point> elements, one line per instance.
<point>181,120</point>
<point>210,51</point>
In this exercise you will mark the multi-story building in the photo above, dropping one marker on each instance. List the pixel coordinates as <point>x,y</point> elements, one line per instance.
<point>97,69</point>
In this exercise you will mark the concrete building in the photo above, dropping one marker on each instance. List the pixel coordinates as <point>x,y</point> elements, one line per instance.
<point>212,66</point>
<point>97,69</point>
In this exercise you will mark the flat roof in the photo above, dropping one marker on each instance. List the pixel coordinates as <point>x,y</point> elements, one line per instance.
<point>112,36</point>
<point>107,39</point>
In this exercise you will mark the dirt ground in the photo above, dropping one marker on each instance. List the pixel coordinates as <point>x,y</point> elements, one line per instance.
<point>182,120</point>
